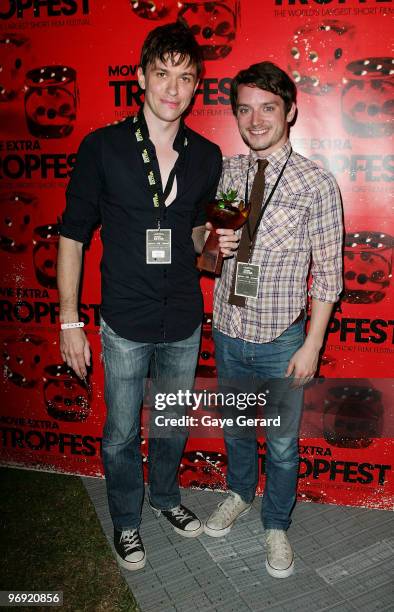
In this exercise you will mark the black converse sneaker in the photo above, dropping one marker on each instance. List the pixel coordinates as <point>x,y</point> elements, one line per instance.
<point>183,520</point>
<point>130,551</point>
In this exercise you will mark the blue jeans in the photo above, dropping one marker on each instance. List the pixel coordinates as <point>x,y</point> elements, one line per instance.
<point>126,365</point>
<point>237,359</point>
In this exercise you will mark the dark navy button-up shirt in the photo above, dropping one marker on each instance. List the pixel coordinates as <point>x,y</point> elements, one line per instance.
<point>109,186</point>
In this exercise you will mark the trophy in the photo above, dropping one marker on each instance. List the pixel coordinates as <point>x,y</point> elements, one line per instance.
<point>223,213</point>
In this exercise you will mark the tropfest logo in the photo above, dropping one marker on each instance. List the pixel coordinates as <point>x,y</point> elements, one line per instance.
<point>26,9</point>
<point>25,159</point>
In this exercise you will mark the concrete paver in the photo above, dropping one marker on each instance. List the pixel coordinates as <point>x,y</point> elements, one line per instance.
<point>344,561</point>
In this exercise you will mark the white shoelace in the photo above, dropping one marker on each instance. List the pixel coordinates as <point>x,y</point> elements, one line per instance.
<point>131,539</point>
<point>227,507</point>
<point>279,544</point>
<point>181,514</point>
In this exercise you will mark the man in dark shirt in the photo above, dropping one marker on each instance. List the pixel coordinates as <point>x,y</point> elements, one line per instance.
<point>146,180</point>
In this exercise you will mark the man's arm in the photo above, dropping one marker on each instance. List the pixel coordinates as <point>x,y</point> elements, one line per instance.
<point>325,230</point>
<point>303,363</point>
<point>81,215</point>
<point>74,346</point>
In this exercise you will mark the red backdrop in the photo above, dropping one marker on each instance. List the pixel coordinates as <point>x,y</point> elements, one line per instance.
<point>69,67</point>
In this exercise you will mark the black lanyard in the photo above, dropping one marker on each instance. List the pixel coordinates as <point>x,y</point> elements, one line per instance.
<point>265,204</point>
<point>158,196</point>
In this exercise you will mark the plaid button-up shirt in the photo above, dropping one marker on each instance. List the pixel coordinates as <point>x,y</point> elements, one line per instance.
<point>303,220</point>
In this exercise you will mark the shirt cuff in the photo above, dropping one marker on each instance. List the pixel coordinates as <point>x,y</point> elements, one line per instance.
<point>325,295</point>
<point>79,234</point>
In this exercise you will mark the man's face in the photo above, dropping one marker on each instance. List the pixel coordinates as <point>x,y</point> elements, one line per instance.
<point>262,119</point>
<point>168,88</point>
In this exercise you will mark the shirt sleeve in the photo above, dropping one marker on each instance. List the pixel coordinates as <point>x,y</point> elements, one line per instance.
<point>201,216</point>
<point>83,193</point>
<point>326,234</point>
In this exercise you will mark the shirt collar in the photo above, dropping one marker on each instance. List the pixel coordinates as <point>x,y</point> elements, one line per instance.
<point>180,139</point>
<point>276,159</point>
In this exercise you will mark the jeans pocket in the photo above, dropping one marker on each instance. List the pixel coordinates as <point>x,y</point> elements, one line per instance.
<point>108,336</point>
<point>104,327</point>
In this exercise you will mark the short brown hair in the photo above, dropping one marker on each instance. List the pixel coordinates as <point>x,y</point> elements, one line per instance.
<point>170,40</point>
<point>267,76</point>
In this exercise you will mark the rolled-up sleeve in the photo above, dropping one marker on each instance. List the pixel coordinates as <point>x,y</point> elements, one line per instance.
<point>83,193</point>
<point>326,234</point>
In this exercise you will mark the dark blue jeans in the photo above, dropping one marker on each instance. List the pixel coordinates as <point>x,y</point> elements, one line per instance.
<point>236,360</point>
<point>126,365</point>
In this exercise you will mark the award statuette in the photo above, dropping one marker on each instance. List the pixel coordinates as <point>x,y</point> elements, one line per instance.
<point>223,213</point>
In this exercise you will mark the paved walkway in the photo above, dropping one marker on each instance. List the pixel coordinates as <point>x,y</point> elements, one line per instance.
<point>344,561</point>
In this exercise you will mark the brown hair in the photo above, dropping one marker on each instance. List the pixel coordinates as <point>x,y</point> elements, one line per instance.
<point>267,76</point>
<point>171,40</point>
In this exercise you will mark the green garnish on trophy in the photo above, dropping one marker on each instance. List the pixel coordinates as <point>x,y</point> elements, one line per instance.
<point>225,212</point>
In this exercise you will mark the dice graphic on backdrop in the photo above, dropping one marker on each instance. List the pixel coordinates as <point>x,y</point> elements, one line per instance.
<point>313,496</point>
<point>203,469</point>
<point>368,97</point>
<point>15,56</point>
<point>368,260</point>
<point>352,415</point>
<point>319,53</point>
<point>154,9</point>
<point>206,367</point>
<point>207,350</point>
<point>66,396</point>
<point>328,363</point>
<point>45,248</point>
<point>22,358</point>
<point>51,101</point>
<point>16,210</point>
<point>214,24</point>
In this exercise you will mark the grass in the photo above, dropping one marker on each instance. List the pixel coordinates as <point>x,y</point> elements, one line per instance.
<point>51,540</point>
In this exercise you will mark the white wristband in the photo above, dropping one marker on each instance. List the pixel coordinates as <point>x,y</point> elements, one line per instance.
<point>71,325</point>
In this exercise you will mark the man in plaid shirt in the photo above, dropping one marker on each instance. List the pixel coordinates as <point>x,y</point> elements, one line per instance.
<point>260,299</point>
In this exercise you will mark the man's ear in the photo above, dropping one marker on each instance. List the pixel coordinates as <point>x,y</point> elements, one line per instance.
<point>141,77</point>
<point>291,114</point>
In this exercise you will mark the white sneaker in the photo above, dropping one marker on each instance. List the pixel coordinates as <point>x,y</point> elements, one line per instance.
<point>280,559</point>
<point>222,519</point>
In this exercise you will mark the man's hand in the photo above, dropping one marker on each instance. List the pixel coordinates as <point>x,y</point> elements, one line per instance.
<point>228,240</point>
<point>75,350</point>
<point>303,364</point>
